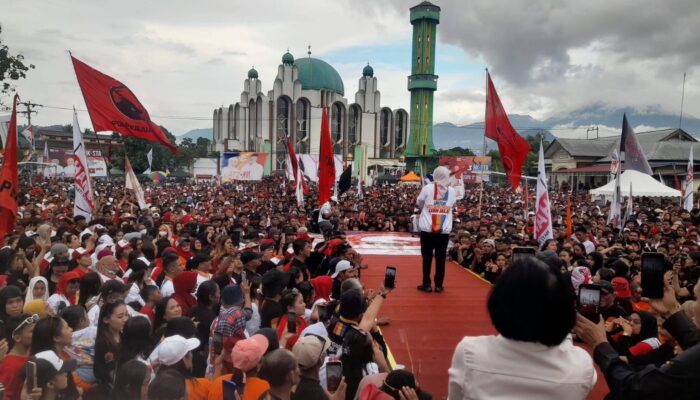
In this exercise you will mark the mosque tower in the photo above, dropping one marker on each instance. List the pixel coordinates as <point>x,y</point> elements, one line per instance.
<point>422,82</point>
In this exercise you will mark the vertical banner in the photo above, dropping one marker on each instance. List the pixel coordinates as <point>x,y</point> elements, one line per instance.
<point>133,184</point>
<point>543,213</point>
<point>84,203</point>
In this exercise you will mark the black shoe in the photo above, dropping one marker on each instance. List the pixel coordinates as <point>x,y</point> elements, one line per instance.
<point>426,289</point>
<point>439,289</point>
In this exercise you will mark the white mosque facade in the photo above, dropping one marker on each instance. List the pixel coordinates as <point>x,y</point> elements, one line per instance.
<point>261,122</point>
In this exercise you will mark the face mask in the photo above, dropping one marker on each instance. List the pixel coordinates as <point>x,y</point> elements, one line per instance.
<point>162,233</point>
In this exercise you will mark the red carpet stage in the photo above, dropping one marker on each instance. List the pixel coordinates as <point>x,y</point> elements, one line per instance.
<point>426,327</point>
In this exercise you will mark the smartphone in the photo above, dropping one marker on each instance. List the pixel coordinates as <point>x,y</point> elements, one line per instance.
<point>654,266</point>
<point>30,381</point>
<point>334,373</point>
<point>589,301</point>
<point>291,322</point>
<point>522,253</point>
<point>230,389</point>
<point>390,277</point>
<point>321,311</point>
<point>244,277</point>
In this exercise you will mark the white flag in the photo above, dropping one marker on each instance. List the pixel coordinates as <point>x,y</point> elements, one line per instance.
<point>543,214</point>
<point>629,208</point>
<point>133,184</point>
<point>299,191</point>
<point>46,151</point>
<point>28,134</point>
<point>360,189</point>
<point>150,161</point>
<point>4,128</point>
<point>84,202</point>
<point>615,209</point>
<point>614,162</point>
<point>688,194</point>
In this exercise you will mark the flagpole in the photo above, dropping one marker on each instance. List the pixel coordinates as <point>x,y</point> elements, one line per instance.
<point>486,93</point>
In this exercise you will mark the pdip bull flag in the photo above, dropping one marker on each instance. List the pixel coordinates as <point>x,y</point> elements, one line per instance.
<point>114,107</point>
<point>543,213</point>
<point>84,203</point>
<point>8,177</point>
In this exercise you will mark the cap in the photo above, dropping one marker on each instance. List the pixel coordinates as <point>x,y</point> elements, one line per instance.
<point>341,266</point>
<point>104,253</point>
<point>79,252</point>
<point>309,349</point>
<point>247,353</point>
<point>621,288</point>
<point>58,248</point>
<point>48,365</point>
<point>123,244</point>
<point>113,286</point>
<point>352,304</point>
<point>489,242</point>
<point>248,256</point>
<point>173,349</point>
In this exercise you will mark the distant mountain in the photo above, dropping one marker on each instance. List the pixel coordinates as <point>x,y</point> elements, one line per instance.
<point>447,135</point>
<point>195,134</point>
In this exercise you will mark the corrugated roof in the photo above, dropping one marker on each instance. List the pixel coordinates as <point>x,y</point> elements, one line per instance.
<point>587,147</point>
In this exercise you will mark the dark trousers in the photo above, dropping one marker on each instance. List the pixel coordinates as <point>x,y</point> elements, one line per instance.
<point>436,242</point>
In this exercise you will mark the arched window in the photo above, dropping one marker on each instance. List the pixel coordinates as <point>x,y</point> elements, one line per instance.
<point>231,123</point>
<point>354,125</point>
<point>337,128</point>
<point>237,121</point>
<point>385,133</point>
<point>400,129</point>
<point>303,120</point>
<point>216,124</point>
<point>252,125</point>
<point>258,124</point>
<point>283,111</point>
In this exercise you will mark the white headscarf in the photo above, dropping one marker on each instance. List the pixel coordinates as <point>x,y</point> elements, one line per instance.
<point>30,290</point>
<point>441,178</point>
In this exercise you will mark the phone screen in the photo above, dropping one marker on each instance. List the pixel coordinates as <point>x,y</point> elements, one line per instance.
<point>521,253</point>
<point>334,374</point>
<point>653,268</point>
<point>390,277</point>
<point>589,302</point>
<point>292,322</point>
<point>321,310</point>
<point>31,376</point>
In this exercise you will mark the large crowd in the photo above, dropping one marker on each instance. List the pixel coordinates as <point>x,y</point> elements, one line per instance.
<point>234,291</point>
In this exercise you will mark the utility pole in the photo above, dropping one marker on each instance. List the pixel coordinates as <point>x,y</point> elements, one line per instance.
<point>28,110</point>
<point>592,129</point>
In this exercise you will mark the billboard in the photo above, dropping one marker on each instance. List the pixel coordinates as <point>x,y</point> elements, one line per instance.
<point>63,164</point>
<point>469,169</point>
<point>242,166</point>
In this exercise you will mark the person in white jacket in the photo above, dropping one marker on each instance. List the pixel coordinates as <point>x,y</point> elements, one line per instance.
<point>533,357</point>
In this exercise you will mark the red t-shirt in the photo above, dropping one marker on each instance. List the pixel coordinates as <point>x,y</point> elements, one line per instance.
<point>10,375</point>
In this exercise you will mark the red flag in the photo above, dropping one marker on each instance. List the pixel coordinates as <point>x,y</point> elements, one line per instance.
<point>114,107</point>
<point>511,146</point>
<point>8,177</point>
<point>326,162</point>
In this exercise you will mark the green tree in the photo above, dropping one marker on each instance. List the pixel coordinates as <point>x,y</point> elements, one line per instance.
<point>455,151</point>
<point>138,149</point>
<point>12,68</point>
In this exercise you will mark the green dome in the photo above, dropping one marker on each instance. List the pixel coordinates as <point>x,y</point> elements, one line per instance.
<point>252,74</point>
<point>288,58</point>
<point>368,70</point>
<point>316,74</point>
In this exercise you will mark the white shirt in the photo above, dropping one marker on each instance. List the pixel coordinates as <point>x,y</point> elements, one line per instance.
<point>493,367</point>
<point>55,300</point>
<point>167,288</point>
<point>325,208</point>
<point>431,207</point>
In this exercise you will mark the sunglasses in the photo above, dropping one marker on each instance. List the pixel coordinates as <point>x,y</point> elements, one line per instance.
<point>34,318</point>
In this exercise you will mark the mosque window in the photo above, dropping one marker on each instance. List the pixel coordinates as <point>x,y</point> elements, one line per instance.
<point>354,125</point>
<point>283,111</point>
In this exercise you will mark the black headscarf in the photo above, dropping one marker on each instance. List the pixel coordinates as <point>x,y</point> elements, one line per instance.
<point>7,293</point>
<point>650,328</point>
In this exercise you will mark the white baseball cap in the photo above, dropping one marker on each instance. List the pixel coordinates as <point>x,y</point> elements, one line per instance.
<point>343,265</point>
<point>173,349</point>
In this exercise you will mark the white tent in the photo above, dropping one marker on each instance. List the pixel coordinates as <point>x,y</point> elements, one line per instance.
<point>642,185</point>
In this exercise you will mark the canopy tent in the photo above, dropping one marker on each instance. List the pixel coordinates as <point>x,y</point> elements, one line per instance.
<point>642,185</point>
<point>410,177</point>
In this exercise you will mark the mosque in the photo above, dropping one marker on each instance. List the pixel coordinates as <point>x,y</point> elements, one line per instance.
<point>261,122</point>
<point>362,129</point>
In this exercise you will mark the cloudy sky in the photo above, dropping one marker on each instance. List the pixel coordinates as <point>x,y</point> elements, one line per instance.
<point>184,58</point>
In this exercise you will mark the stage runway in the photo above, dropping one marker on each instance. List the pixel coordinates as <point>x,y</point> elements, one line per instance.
<point>426,327</point>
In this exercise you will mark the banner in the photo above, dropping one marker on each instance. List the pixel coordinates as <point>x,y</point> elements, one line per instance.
<point>543,213</point>
<point>242,166</point>
<point>84,203</point>
<point>133,184</point>
<point>471,169</point>
<point>64,164</point>
<point>309,166</point>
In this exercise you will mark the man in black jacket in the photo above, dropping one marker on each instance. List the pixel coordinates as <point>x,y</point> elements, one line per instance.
<point>678,379</point>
